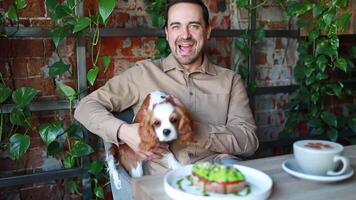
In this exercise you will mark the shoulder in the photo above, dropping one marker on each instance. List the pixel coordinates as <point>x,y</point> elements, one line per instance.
<point>223,71</point>
<point>145,65</point>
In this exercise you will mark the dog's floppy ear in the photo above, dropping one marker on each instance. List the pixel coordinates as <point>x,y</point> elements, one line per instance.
<point>147,134</point>
<point>185,126</point>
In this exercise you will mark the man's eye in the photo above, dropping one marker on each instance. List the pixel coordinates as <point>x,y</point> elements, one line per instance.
<point>156,123</point>
<point>194,26</point>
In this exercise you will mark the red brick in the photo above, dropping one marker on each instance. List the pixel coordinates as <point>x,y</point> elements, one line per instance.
<point>49,47</point>
<point>109,45</point>
<point>4,69</point>
<point>261,58</point>
<point>119,19</point>
<point>50,191</point>
<point>5,49</point>
<point>90,6</point>
<point>45,86</point>
<point>27,48</point>
<point>34,8</point>
<point>34,66</point>
<point>41,23</point>
<point>19,68</point>
<point>279,43</point>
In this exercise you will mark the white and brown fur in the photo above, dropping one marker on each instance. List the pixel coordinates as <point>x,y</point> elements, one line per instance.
<point>161,120</point>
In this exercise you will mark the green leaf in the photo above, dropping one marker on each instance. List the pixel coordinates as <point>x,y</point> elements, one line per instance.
<point>20,4</point>
<point>23,96</point>
<point>106,62</point>
<point>19,116</point>
<point>72,186</point>
<point>50,131</point>
<point>59,33</point>
<point>96,167</point>
<point>161,44</point>
<point>344,21</point>
<point>105,8</point>
<point>313,34</point>
<point>260,34</point>
<point>98,191</point>
<point>302,23</point>
<point>308,71</point>
<point>317,131</point>
<point>5,93</point>
<point>81,149</point>
<point>19,144</point>
<point>341,64</point>
<point>296,8</point>
<point>321,62</point>
<point>353,52</point>
<point>341,3</point>
<point>92,74</point>
<point>58,68</point>
<point>329,118</point>
<point>337,89</point>
<point>328,17</point>
<point>11,13</point>
<point>61,11</point>
<point>252,87</point>
<point>243,71</point>
<point>69,161</point>
<point>157,20</point>
<point>325,48</point>
<point>352,124</point>
<point>54,148</point>
<point>75,131</point>
<point>332,134</point>
<point>318,10</point>
<point>67,91</point>
<point>82,23</point>
<point>242,3</point>
<point>51,5</point>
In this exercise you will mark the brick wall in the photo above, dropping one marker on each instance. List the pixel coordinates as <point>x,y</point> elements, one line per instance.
<point>25,61</point>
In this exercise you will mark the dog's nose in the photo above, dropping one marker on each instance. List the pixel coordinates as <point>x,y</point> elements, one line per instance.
<point>166,132</point>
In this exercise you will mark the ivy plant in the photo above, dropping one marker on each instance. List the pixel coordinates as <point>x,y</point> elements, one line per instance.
<point>10,16</point>
<point>319,58</point>
<point>156,10</point>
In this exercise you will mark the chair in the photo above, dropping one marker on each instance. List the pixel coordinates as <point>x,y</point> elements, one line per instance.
<point>125,193</point>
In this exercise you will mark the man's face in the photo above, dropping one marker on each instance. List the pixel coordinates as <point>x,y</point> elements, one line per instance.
<point>187,34</point>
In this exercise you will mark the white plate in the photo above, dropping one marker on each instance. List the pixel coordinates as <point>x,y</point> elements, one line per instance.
<point>260,184</point>
<point>292,167</point>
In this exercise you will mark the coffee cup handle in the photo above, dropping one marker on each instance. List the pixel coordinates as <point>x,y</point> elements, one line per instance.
<point>345,166</point>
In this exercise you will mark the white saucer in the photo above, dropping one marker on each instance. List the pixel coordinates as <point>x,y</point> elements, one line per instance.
<point>292,167</point>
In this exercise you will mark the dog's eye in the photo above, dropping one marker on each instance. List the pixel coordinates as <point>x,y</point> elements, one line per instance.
<point>173,120</point>
<point>156,123</point>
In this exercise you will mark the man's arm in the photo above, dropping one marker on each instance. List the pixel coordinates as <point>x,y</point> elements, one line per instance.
<point>95,110</point>
<point>238,135</point>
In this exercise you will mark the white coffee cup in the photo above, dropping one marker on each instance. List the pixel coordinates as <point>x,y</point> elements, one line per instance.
<point>320,157</point>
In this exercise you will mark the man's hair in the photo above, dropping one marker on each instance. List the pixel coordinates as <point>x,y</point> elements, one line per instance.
<point>197,2</point>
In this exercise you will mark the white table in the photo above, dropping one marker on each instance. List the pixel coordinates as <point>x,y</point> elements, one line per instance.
<point>285,186</point>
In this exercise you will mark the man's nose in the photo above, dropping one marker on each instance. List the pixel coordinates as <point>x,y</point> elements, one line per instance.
<point>186,33</point>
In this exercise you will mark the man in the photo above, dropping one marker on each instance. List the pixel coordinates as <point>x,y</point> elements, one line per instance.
<point>215,96</point>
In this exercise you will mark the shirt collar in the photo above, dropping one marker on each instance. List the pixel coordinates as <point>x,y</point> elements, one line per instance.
<point>170,63</point>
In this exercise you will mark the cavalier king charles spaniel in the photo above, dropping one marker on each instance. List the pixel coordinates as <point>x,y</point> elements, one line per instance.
<point>160,120</point>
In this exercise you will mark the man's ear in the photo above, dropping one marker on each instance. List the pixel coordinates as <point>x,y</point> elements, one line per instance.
<point>165,30</point>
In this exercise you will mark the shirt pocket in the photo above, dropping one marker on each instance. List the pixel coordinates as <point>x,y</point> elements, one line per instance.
<point>212,108</point>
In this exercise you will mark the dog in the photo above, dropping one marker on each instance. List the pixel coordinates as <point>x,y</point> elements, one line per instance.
<point>160,120</point>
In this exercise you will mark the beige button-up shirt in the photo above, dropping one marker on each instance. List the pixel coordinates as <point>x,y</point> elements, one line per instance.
<point>215,96</point>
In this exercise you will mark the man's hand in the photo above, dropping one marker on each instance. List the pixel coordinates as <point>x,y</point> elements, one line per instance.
<point>128,133</point>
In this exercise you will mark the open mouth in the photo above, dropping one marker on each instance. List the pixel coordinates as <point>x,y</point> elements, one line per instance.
<point>186,49</point>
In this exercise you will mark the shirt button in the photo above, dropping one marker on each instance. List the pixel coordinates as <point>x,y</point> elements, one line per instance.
<point>191,93</point>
